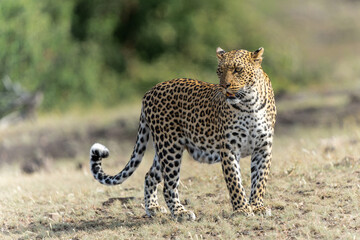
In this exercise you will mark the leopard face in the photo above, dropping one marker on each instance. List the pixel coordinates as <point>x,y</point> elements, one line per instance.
<point>238,69</point>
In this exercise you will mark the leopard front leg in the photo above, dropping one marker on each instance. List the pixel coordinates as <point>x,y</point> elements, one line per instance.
<point>232,175</point>
<point>260,167</point>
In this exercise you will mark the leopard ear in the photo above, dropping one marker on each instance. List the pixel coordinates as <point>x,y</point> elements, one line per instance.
<point>257,55</point>
<point>220,53</point>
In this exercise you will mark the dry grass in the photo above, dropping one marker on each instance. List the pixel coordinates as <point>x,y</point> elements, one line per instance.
<point>314,193</point>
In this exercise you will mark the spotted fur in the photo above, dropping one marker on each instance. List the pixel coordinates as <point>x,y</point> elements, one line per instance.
<point>214,123</point>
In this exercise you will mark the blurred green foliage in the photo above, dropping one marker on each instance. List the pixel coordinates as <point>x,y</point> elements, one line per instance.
<point>94,51</point>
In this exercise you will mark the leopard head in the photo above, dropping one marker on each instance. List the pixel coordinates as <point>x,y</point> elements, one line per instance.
<point>238,70</point>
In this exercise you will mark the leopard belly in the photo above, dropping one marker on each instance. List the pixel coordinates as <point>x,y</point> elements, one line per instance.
<point>243,135</point>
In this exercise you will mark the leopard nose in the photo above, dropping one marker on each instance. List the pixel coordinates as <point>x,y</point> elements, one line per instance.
<point>226,85</point>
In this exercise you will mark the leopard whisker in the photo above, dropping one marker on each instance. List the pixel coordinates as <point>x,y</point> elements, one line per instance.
<point>240,94</point>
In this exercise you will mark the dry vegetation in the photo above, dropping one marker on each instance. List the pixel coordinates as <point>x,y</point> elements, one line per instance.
<point>313,191</point>
<point>47,191</point>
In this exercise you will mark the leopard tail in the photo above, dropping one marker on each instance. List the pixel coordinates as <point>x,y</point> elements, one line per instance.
<point>98,152</point>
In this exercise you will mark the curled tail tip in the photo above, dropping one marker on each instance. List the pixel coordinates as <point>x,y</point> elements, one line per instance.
<point>99,150</point>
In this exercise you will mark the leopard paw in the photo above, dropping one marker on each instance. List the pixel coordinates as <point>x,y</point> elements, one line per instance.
<point>244,211</point>
<point>184,215</point>
<point>262,211</point>
<point>155,210</point>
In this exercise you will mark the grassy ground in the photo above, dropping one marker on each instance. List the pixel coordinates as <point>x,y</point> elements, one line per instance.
<point>314,192</point>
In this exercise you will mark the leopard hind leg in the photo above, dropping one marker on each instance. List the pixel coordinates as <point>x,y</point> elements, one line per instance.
<point>152,179</point>
<point>170,161</point>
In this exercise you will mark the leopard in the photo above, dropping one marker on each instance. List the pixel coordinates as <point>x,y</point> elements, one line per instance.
<point>214,123</point>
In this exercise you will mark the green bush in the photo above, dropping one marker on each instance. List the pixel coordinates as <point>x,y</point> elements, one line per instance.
<point>86,51</point>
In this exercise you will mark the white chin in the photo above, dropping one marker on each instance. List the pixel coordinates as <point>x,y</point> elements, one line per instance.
<point>233,100</point>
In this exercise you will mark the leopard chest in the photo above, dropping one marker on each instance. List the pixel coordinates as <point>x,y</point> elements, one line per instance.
<point>246,132</point>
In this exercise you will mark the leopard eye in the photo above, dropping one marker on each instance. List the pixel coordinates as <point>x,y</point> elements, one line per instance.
<point>238,70</point>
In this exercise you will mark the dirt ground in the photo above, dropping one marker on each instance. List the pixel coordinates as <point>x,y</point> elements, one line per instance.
<point>48,192</point>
